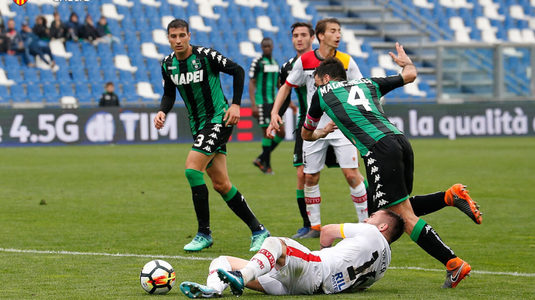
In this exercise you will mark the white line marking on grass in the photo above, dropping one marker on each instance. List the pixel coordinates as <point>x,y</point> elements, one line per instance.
<point>517,274</point>
<point>103,254</point>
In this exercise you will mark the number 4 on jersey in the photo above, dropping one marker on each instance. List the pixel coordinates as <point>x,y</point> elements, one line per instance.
<point>361,100</point>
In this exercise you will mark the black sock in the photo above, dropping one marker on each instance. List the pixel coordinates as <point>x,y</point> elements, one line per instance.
<point>303,208</point>
<point>426,204</point>
<point>199,194</point>
<point>239,206</point>
<point>427,238</point>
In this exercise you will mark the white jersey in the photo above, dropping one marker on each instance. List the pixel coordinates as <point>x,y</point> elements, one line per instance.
<point>357,261</point>
<point>302,74</point>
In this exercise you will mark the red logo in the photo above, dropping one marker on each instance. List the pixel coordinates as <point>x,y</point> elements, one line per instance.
<point>20,2</point>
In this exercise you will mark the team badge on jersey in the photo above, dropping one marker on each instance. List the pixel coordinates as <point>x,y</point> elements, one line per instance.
<point>20,2</point>
<point>196,64</point>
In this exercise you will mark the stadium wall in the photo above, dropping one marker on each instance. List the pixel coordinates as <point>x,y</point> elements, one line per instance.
<point>24,127</point>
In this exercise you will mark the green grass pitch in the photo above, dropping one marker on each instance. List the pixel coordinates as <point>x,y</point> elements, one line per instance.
<point>134,199</point>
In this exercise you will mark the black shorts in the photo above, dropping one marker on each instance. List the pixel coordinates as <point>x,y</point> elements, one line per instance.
<point>390,172</point>
<point>264,114</point>
<point>212,138</point>
<point>298,148</point>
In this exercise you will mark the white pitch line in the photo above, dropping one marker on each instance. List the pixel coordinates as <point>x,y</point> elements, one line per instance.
<point>516,274</point>
<point>103,254</point>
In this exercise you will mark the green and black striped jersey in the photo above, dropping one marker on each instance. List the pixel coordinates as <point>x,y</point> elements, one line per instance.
<point>355,108</point>
<point>197,80</point>
<point>300,91</point>
<point>266,72</point>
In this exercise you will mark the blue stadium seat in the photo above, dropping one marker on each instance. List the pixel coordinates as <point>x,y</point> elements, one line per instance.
<point>50,91</point>
<point>65,89</point>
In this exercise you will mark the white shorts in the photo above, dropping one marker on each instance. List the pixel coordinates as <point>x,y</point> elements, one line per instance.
<point>302,274</point>
<point>314,154</point>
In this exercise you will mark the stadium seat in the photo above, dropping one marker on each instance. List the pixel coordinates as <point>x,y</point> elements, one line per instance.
<point>160,37</point>
<point>179,3</point>
<point>264,23</point>
<point>110,12</point>
<point>247,49</point>
<point>255,35</point>
<point>197,23</point>
<point>122,62</point>
<point>125,3</point>
<point>251,3</point>
<point>4,81</point>
<point>58,49</point>
<point>5,11</point>
<point>144,89</point>
<point>149,50</point>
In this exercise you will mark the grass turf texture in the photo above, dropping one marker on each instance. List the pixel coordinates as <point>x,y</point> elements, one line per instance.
<point>135,199</point>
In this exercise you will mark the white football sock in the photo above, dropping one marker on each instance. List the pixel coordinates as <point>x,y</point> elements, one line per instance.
<point>213,280</point>
<point>359,197</point>
<point>263,261</point>
<point>313,201</point>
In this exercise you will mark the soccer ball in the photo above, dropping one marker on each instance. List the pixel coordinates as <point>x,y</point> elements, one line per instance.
<point>157,277</point>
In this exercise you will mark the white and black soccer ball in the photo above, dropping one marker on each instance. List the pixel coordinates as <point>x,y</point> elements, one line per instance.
<point>157,277</point>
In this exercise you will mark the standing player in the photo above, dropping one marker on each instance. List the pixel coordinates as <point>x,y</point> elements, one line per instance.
<point>355,108</point>
<point>314,153</point>
<point>302,38</point>
<point>194,71</point>
<point>264,80</point>
<point>285,267</point>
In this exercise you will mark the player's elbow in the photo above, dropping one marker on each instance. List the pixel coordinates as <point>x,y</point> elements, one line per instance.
<point>307,135</point>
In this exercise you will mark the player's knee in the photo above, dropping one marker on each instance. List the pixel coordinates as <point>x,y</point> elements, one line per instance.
<point>194,177</point>
<point>222,187</point>
<point>312,179</point>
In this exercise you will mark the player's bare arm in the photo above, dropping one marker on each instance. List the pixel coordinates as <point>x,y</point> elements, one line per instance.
<point>309,135</point>
<point>252,90</point>
<point>403,60</point>
<point>329,233</point>
<point>276,120</point>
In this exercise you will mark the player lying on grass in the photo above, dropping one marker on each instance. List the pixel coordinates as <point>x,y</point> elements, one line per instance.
<point>355,109</point>
<point>284,267</point>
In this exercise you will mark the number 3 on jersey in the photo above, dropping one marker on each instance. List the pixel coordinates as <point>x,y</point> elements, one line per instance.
<point>199,140</point>
<point>361,100</point>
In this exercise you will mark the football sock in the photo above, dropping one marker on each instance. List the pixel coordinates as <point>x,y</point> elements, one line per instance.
<point>426,204</point>
<point>313,201</point>
<point>263,261</point>
<point>302,207</point>
<point>213,280</point>
<point>359,197</point>
<point>199,194</point>
<point>266,151</point>
<point>239,206</point>
<point>275,142</point>
<point>427,238</point>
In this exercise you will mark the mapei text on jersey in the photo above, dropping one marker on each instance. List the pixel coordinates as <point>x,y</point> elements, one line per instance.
<point>187,78</point>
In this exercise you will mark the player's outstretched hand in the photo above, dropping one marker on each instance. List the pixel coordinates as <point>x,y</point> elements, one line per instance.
<point>402,59</point>
<point>232,115</point>
<point>159,120</point>
<point>270,132</point>
<point>275,123</point>
<point>330,127</point>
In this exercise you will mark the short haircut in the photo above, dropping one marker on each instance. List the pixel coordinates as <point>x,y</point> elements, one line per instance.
<point>333,67</point>
<point>178,23</point>
<point>109,83</point>
<point>397,225</point>
<point>321,26</point>
<point>303,24</point>
<point>266,40</point>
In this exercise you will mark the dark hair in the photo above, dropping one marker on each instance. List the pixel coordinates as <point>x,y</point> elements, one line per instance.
<point>333,67</point>
<point>266,40</point>
<point>397,226</point>
<point>109,83</point>
<point>303,24</point>
<point>321,26</point>
<point>178,23</point>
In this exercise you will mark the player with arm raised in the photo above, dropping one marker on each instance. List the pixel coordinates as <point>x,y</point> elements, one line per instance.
<point>315,153</point>
<point>194,71</point>
<point>355,109</point>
